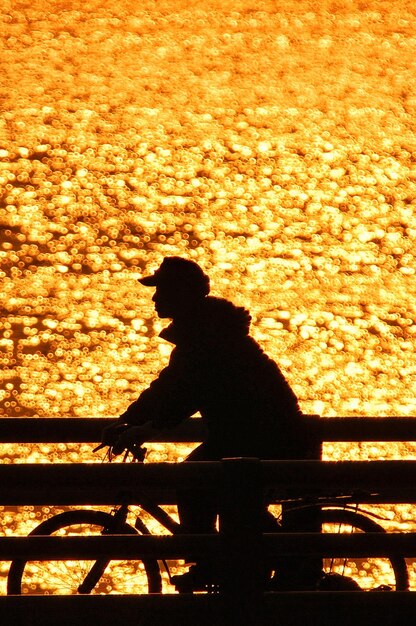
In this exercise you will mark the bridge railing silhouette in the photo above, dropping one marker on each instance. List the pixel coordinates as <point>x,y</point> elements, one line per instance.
<point>100,484</point>
<point>89,429</point>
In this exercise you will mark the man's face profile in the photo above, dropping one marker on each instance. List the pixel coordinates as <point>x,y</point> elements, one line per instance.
<point>166,301</point>
<point>174,299</point>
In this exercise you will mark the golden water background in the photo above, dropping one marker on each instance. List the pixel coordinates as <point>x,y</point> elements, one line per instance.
<point>272,142</point>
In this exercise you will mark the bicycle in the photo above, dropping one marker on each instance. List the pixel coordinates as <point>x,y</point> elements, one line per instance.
<point>105,576</point>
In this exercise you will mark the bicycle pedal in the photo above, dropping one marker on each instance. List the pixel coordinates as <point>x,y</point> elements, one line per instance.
<point>189,588</point>
<point>193,582</point>
<point>212,588</point>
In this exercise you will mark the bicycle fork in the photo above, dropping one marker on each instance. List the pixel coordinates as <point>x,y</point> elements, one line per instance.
<point>99,567</point>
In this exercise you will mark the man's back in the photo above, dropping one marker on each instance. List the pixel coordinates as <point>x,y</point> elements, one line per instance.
<point>247,404</point>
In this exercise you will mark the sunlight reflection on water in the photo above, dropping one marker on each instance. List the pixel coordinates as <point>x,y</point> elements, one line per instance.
<point>274,147</point>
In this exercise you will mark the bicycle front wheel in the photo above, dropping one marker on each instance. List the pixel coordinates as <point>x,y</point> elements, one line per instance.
<point>67,577</point>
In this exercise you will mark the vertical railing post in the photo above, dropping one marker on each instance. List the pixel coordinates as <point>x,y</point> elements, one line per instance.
<point>296,573</point>
<point>240,525</point>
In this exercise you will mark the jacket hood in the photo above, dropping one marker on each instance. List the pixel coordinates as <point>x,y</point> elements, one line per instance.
<point>215,319</point>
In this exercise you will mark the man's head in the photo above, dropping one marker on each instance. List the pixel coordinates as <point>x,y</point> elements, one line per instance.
<point>179,283</point>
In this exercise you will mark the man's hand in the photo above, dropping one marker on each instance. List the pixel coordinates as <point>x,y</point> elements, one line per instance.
<point>128,438</point>
<point>111,433</point>
<point>123,436</point>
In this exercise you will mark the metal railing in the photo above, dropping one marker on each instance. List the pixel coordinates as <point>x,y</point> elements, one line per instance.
<point>240,601</point>
<point>89,429</point>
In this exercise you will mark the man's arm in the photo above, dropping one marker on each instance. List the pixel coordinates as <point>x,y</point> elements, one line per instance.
<point>169,399</point>
<point>165,403</point>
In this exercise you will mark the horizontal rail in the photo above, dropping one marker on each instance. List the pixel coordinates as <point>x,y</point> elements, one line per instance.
<point>294,608</point>
<point>341,545</point>
<point>81,430</point>
<point>94,483</point>
<point>361,478</point>
<point>179,546</point>
<point>112,546</point>
<point>362,428</point>
<point>89,429</point>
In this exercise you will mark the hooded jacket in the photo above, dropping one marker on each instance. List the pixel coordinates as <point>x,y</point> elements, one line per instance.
<point>216,368</point>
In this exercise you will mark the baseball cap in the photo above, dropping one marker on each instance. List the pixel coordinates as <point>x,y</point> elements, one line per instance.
<point>182,272</point>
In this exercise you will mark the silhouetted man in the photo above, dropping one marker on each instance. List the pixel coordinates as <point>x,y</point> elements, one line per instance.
<point>215,368</point>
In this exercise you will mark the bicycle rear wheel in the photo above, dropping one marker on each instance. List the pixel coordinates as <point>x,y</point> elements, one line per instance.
<point>366,573</point>
<point>391,570</point>
<point>66,577</point>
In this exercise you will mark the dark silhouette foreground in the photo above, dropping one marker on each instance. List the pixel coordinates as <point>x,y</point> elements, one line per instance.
<point>215,368</point>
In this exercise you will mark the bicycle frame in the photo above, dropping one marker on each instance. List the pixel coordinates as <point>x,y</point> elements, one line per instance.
<point>342,503</point>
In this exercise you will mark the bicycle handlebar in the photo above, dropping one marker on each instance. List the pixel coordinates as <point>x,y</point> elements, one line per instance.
<point>136,450</point>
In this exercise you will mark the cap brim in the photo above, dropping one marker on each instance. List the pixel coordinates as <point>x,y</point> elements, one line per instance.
<point>149,281</point>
